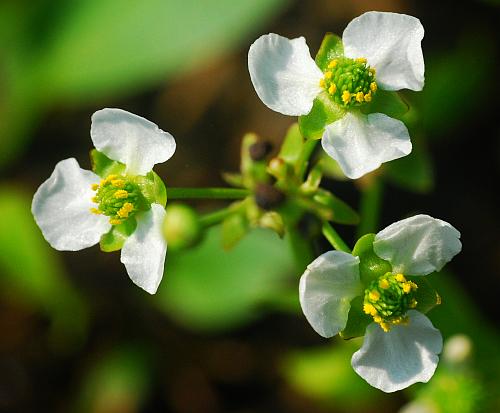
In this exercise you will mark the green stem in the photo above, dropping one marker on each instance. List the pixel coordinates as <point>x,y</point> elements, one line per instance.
<point>216,217</point>
<point>307,151</point>
<point>369,210</point>
<point>334,238</point>
<point>207,193</point>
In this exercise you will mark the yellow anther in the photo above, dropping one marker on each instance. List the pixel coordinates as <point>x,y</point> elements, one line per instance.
<point>332,89</point>
<point>374,295</point>
<point>373,87</point>
<point>369,309</point>
<point>346,97</point>
<point>413,286</point>
<point>94,199</point>
<point>360,97</point>
<point>384,284</point>
<point>372,71</point>
<point>406,288</point>
<point>413,303</point>
<point>118,183</point>
<point>368,97</point>
<point>438,299</point>
<point>328,75</point>
<point>332,64</point>
<point>322,82</point>
<point>121,193</point>
<point>95,187</point>
<point>110,178</point>
<point>400,278</point>
<point>377,319</point>
<point>360,60</point>
<point>385,326</point>
<point>125,210</point>
<point>114,221</point>
<point>95,211</point>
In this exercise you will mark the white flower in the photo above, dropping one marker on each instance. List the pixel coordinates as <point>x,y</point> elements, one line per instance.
<point>401,346</point>
<point>381,50</point>
<point>75,207</point>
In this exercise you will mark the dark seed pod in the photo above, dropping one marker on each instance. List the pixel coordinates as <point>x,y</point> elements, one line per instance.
<point>268,197</point>
<point>259,150</point>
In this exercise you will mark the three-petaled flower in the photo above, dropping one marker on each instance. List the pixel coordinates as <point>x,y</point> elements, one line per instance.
<point>401,346</point>
<point>76,208</point>
<point>380,51</point>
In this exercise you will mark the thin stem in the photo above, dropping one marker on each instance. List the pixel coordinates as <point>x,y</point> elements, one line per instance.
<point>371,202</point>
<point>334,238</point>
<point>308,149</point>
<point>216,217</point>
<point>207,193</point>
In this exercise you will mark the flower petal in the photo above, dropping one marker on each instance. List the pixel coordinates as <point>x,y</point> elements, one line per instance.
<point>283,73</point>
<point>130,139</point>
<point>361,143</point>
<point>326,289</point>
<point>418,245</point>
<point>61,207</point>
<point>401,357</point>
<point>391,44</point>
<point>143,253</point>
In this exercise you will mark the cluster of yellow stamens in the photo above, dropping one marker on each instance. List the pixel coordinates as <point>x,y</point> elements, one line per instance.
<point>388,298</point>
<point>117,197</point>
<point>349,82</point>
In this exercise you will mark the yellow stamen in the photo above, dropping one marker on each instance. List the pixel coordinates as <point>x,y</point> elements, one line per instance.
<point>385,326</point>
<point>118,183</point>
<point>332,89</point>
<point>346,97</point>
<point>384,284</point>
<point>369,309</point>
<point>322,82</point>
<point>413,286</point>
<point>332,64</point>
<point>406,288</point>
<point>114,221</point>
<point>368,97</point>
<point>95,211</point>
<point>121,193</point>
<point>400,278</point>
<point>374,295</point>
<point>95,187</point>
<point>373,87</point>
<point>125,210</point>
<point>360,60</point>
<point>372,71</point>
<point>377,319</point>
<point>413,303</point>
<point>438,299</point>
<point>94,199</point>
<point>328,75</point>
<point>359,97</point>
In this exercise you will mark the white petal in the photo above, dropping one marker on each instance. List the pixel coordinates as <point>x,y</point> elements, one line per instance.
<point>418,245</point>
<point>361,143</point>
<point>401,357</point>
<point>130,139</point>
<point>283,73</point>
<point>326,289</point>
<point>391,44</point>
<point>61,207</point>
<point>143,253</point>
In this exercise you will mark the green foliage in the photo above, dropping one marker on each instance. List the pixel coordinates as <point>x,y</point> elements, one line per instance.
<point>331,47</point>
<point>292,146</point>
<point>357,321</point>
<point>207,288</point>
<point>387,102</point>
<point>371,266</point>
<point>340,212</point>
<point>153,188</point>
<point>117,235</point>
<point>323,112</point>
<point>103,166</point>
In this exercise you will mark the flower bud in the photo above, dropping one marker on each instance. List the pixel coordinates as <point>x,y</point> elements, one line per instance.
<point>181,226</point>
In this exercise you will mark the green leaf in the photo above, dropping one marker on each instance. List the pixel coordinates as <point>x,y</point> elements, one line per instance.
<point>117,235</point>
<point>426,296</point>
<point>341,212</point>
<point>323,112</point>
<point>387,102</point>
<point>234,228</point>
<point>371,266</point>
<point>153,188</point>
<point>103,166</point>
<point>331,47</point>
<point>357,320</point>
<point>292,145</point>
<point>209,288</point>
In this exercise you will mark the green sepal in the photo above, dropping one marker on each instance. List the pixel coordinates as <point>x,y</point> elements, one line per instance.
<point>357,320</point>
<point>323,112</point>
<point>152,188</point>
<point>331,47</point>
<point>389,103</point>
<point>234,228</point>
<point>426,296</point>
<point>292,146</point>
<point>341,212</point>
<point>103,166</point>
<point>117,235</point>
<point>371,266</point>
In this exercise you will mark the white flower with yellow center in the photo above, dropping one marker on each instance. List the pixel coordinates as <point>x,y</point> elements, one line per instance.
<point>76,208</point>
<point>401,346</point>
<point>380,51</point>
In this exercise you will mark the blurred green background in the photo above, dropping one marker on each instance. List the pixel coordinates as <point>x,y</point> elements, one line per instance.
<point>225,332</point>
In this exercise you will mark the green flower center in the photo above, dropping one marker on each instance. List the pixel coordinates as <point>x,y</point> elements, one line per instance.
<point>118,197</point>
<point>349,82</point>
<point>388,298</point>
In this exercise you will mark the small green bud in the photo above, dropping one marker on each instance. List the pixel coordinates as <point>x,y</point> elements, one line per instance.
<point>181,226</point>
